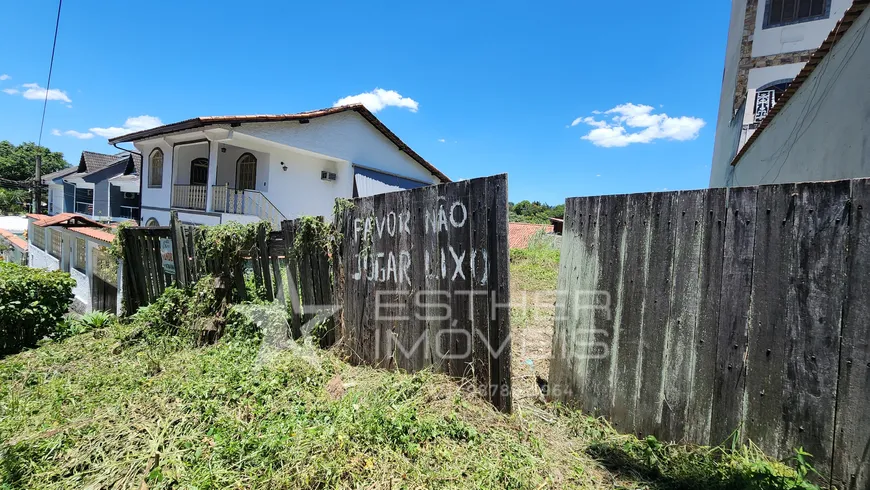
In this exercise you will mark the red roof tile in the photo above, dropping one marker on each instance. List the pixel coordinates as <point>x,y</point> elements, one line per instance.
<point>14,239</point>
<point>95,233</point>
<point>63,218</point>
<point>520,234</point>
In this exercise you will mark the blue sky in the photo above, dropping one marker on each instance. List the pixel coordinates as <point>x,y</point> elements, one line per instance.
<point>496,85</point>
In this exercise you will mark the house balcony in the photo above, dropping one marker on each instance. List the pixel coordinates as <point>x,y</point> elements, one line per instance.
<point>85,208</point>
<point>187,196</point>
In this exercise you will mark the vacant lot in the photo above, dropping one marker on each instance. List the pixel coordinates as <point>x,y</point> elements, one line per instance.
<point>112,409</point>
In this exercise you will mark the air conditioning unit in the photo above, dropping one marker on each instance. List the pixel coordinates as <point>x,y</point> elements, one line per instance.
<point>330,176</point>
<point>129,195</point>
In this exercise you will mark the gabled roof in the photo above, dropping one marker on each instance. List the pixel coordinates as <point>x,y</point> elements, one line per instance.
<point>91,163</point>
<point>840,30</point>
<point>14,239</point>
<point>60,173</point>
<point>42,220</point>
<point>199,122</point>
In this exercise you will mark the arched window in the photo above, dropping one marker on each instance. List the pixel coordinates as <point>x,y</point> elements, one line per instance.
<point>246,172</point>
<point>199,171</point>
<point>767,96</point>
<point>152,222</point>
<point>155,168</point>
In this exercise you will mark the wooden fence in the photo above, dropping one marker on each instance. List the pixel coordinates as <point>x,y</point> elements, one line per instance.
<point>689,315</point>
<point>426,282</point>
<point>284,272</point>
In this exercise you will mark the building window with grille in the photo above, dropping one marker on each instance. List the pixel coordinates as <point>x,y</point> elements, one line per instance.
<point>155,168</point>
<point>246,172</point>
<point>81,256</point>
<point>37,237</point>
<point>784,12</point>
<point>199,171</point>
<point>56,243</point>
<point>766,97</point>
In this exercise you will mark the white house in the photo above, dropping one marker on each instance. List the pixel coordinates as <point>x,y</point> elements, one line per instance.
<point>77,245</point>
<point>769,42</point>
<point>271,167</point>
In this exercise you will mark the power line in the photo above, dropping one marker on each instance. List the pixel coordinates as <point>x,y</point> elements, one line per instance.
<point>50,67</point>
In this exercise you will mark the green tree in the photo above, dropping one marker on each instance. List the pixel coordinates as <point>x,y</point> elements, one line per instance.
<point>13,201</point>
<point>19,162</point>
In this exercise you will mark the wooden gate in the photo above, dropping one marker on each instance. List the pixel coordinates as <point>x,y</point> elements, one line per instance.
<point>104,282</point>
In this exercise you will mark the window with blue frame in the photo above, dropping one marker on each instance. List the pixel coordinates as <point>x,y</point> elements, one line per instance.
<point>784,12</point>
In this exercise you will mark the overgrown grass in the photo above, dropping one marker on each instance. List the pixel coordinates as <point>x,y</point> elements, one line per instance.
<point>91,411</point>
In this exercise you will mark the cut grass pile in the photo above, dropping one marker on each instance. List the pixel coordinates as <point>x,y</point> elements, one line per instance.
<point>90,412</point>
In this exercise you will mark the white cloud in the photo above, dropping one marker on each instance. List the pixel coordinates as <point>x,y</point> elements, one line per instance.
<point>4,77</point>
<point>442,140</point>
<point>10,91</point>
<point>378,99</point>
<point>73,133</point>
<point>131,125</point>
<point>613,133</point>
<point>35,92</point>
<point>576,121</point>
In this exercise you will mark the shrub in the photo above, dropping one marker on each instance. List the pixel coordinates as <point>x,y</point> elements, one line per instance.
<point>32,305</point>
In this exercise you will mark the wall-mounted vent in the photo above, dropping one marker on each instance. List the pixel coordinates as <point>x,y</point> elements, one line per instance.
<point>330,176</point>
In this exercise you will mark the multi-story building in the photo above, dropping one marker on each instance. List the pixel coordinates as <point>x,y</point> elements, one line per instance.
<point>212,170</point>
<point>769,42</point>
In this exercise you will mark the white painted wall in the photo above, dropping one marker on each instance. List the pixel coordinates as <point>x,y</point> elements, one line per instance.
<point>794,37</point>
<point>82,288</point>
<point>184,154</point>
<point>759,77</point>
<point>157,196</point>
<point>727,125</point>
<point>833,141</point>
<point>55,198</point>
<point>345,136</point>
<point>40,259</point>
<point>226,169</point>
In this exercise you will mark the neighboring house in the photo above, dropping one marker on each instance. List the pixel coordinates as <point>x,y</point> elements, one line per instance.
<point>13,248</point>
<point>769,42</point>
<point>818,129</point>
<point>77,245</point>
<point>520,234</point>
<point>103,187</point>
<point>249,168</point>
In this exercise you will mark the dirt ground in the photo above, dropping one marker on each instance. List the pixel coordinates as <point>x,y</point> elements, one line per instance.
<point>532,324</point>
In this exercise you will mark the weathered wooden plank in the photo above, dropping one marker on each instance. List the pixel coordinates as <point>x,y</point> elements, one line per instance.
<point>766,359</point>
<point>288,229</point>
<point>655,318</point>
<point>685,302</point>
<point>263,259</point>
<point>631,303</point>
<point>791,385</point>
<point>500,287</point>
<point>729,383</point>
<point>567,379</point>
<point>606,305</point>
<point>178,251</point>
<point>479,215</point>
<point>712,225</point>
<point>851,463</point>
